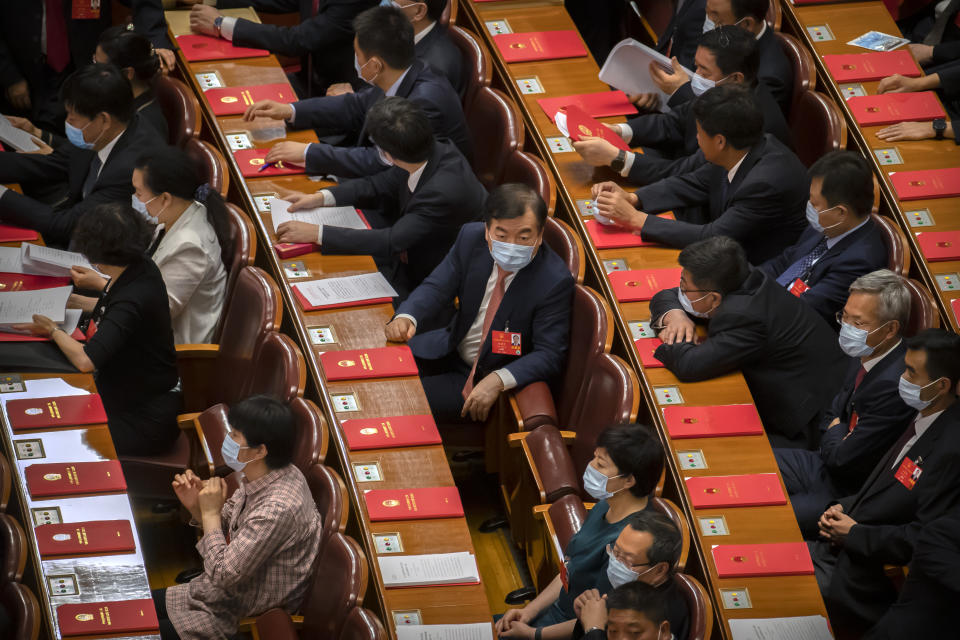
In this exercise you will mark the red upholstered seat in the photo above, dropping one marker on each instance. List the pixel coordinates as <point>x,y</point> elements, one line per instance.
<point>241,253</point>
<point>23,609</point>
<point>361,624</point>
<point>528,169</point>
<point>897,252</point>
<point>923,309</point>
<point>817,126</point>
<point>698,603</point>
<point>180,107</point>
<point>13,550</point>
<point>476,63</point>
<point>6,483</point>
<point>497,131</point>
<point>801,60</point>
<point>211,163</point>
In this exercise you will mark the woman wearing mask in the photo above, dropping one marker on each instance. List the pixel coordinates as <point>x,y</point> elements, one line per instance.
<point>623,474</point>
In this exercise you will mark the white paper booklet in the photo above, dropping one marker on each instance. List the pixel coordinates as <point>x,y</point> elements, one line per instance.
<point>476,631</point>
<point>628,68</point>
<point>430,568</point>
<point>18,307</point>
<point>332,216</point>
<point>799,628</point>
<point>331,291</point>
<point>16,138</point>
<point>10,260</point>
<point>46,261</point>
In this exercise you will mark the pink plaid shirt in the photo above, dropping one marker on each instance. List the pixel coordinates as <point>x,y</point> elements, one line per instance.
<point>274,535</point>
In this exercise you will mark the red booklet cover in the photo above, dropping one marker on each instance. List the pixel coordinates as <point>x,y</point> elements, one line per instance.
<point>863,67</point>
<point>413,504</point>
<point>95,536</point>
<point>293,249</point>
<point>393,431</point>
<point>751,490</point>
<point>939,245</point>
<point>357,303</point>
<point>356,364</point>
<point>611,236</point>
<point>891,108</point>
<point>928,183</point>
<point>199,47</point>
<point>22,337</point>
<point>643,284</point>
<point>540,45</point>
<point>17,234</point>
<point>251,162</point>
<point>595,105</point>
<point>955,303</point>
<point>26,282</point>
<point>579,124</point>
<point>771,559</point>
<point>231,101</point>
<point>67,478</point>
<point>708,422</point>
<point>645,347</point>
<point>96,618</point>
<point>63,411</point>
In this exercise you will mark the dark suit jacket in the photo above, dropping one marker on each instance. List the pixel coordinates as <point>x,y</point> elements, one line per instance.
<point>685,29</point>
<point>881,419</point>
<point>763,210</point>
<point>537,305</point>
<point>151,113</point>
<point>859,253</point>
<point>71,165</point>
<point>347,114</point>
<point>443,57</point>
<point>425,222</point>
<point>789,357</point>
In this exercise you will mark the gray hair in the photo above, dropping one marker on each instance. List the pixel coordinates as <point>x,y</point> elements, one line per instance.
<point>893,297</point>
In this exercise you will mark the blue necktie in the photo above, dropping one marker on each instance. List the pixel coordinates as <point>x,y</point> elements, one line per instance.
<point>800,267</point>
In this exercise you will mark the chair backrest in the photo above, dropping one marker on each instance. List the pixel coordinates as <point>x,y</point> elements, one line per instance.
<point>23,609</point>
<point>898,255</point>
<point>774,16</point>
<point>476,63</point>
<point>817,126</point>
<point>339,582</point>
<point>591,334</point>
<point>13,549</point>
<point>241,253</point>
<point>566,516</point>
<point>801,61</point>
<point>698,605</point>
<point>6,483</point>
<point>923,308</point>
<point>313,437</point>
<point>528,169</point>
<point>180,107</point>
<point>361,624</point>
<point>496,129</point>
<point>330,495</point>
<point>449,13</point>
<point>278,369</point>
<point>558,235</point>
<point>672,511</point>
<point>211,164</point>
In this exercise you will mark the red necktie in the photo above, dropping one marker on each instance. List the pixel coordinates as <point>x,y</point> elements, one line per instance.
<point>854,417</point>
<point>58,48</point>
<point>495,298</point>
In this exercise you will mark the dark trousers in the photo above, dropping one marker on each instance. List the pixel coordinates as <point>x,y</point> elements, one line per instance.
<point>443,382</point>
<point>167,630</point>
<point>148,429</point>
<point>810,487</point>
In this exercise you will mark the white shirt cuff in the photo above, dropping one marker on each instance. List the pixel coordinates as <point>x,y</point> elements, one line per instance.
<point>3,190</point>
<point>408,317</point>
<point>306,149</point>
<point>293,116</point>
<point>627,164</point>
<point>329,200</point>
<point>320,234</point>
<point>624,131</point>
<point>226,28</point>
<point>509,382</point>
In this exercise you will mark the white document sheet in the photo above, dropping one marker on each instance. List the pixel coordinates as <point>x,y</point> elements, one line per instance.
<point>46,261</point>
<point>799,628</point>
<point>628,68</point>
<point>17,307</point>
<point>332,216</point>
<point>365,286</point>
<point>476,631</point>
<point>10,260</point>
<point>16,138</point>
<point>429,568</point>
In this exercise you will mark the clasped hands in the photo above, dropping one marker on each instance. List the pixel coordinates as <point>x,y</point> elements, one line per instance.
<point>835,525</point>
<point>202,498</point>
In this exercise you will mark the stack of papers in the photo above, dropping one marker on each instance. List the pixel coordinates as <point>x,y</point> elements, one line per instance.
<point>16,138</point>
<point>18,307</point>
<point>429,569</point>
<point>44,261</point>
<point>628,68</point>
<point>476,631</point>
<point>798,628</point>
<point>333,216</point>
<point>344,291</point>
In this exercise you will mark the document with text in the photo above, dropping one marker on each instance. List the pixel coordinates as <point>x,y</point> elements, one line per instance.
<point>476,631</point>
<point>430,568</point>
<point>332,216</point>
<point>798,628</point>
<point>346,289</point>
<point>46,261</point>
<point>628,68</point>
<point>19,307</point>
<point>16,138</point>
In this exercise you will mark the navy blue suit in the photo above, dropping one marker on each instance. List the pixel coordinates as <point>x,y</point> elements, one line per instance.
<point>863,251</point>
<point>536,305</point>
<point>347,114</point>
<point>683,33</point>
<point>437,50</point>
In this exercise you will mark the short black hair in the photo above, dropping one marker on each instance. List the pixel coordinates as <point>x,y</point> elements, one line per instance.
<point>400,128</point>
<point>731,110</point>
<point>716,264</point>
<point>847,179</point>
<point>756,9</point>
<point>435,8</point>
<point>667,542</point>
<point>512,200</point>
<point>127,48</point>
<point>386,33</point>
<point>98,88</point>
<point>735,50</point>
<point>636,450</point>
<point>113,234</point>
<point>264,420</point>
<point>943,353</point>
<point>640,597</point>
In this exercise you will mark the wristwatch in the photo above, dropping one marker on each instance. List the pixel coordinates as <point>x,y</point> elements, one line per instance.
<point>939,126</point>
<point>218,24</point>
<point>618,162</point>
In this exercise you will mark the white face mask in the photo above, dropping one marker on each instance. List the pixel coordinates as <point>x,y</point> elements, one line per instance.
<point>511,257</point>
<point>708,25</point>
<point>141,208</point>
<point>910,394</point>
<point>383,157</point>
<point>595,483</point>
<point>620,574</point>
<point>813,217</point>
<point>359,69</point>
<point>853,341</point>
<point>687,304</point>
<point>230,449</point>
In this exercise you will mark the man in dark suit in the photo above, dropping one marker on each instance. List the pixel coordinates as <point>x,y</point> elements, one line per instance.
<point>508,282</point>
<point>98,166</point>
<point>841,243</point>
<point>787,354</point>
<point>867,415</point>
<point>915,483</point>
<point>385,57</point>
<point>679,39</point>
<point>753,188</point>
<point>669,140</point>
<point>425,198</point>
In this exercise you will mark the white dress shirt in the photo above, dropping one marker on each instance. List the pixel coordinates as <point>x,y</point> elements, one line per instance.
<point>836,239</point>
<point>104,153</point>
<point>875,360</point>
<point>922,423</point>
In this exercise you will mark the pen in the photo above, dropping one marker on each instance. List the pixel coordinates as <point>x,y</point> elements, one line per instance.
<point>265,165</point>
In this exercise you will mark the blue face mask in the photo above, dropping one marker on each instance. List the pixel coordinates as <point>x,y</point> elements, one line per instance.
<point>75,136</point>
<point>708,25</point>
<point>687,304</point>
<point>620,574</point>
<point>813,217</point>
<point>511,257</point>
<point>383,157</point>
<point>230,449</point>
<point>359,69</point>
<point>595,483</point>
<point>700,85</point>
<point>853,341</point>
<point>141,208</point>
<point>910,394</point>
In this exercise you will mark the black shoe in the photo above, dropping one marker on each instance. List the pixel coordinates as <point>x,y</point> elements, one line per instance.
<point>521,595</point>
<point>492,524</point>
<point>464,456</point>
<point>161,508</point>
<point>187,575</point>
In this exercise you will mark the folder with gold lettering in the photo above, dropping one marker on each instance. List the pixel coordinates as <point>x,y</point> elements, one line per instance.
<point>68,478</point>
<point>750,490</point>
<point>231,101</point>
<point>769,559</point>
<point>393,431</point>
<point>642,284</point>
<point>63,411</point>
<point>93,537</point>
<point>413,504</point>
<point>253,164</point>
<point>355,364</point>
<point>540,45</point>
<point>196,47</point>
<point>96,618</point>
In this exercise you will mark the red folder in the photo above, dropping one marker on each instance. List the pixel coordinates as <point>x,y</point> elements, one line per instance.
<point>643,284</point>
<point>17,234</point>
<point>939,245</point>
<point>22,337</point>
<point>540,45</point>
<point>413,504</point>
<point>752,490</point>
<point>97,618</point>
<point>357,303</point>
<point>890,108</point>
<point>595,105</point>
<point>708,422</point>
<point>928,183</point>
<point>199,47</point>
<point>94,537</point>
<point>393,431</point>
<point>645,347</point>
<point>68,478</point>
<point>357,364</point>
<point>863,67</point>
<point>753,560</point>
<point>609,236</point>
<point>251,161</point>
<point>580,125</point>
<point>293,249</point>
<point>955,303</point>
<point>231,101</point>
<point>26,282</point>
<point>62,411</point>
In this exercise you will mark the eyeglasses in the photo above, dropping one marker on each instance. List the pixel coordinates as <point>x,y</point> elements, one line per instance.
<point>842,318</point>
<point>625,559</point>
